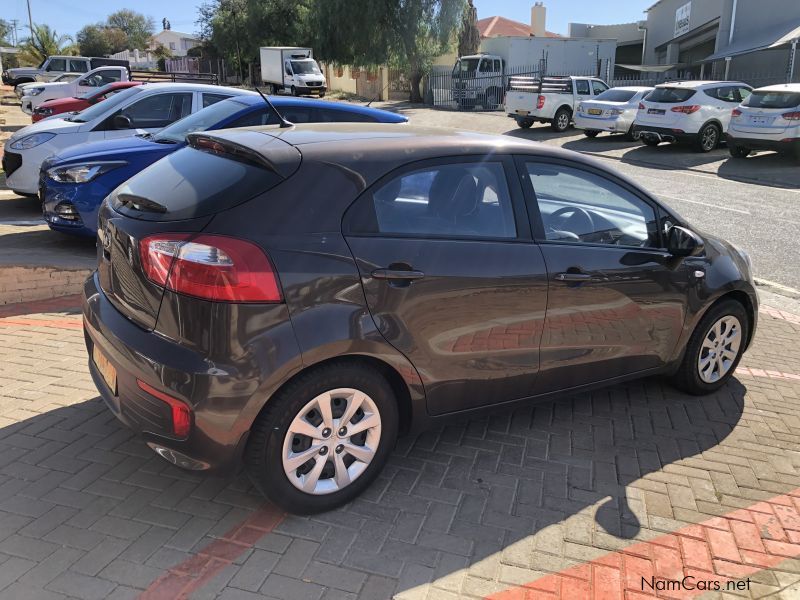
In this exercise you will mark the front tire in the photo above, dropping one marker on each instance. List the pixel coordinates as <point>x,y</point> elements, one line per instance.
<point>561,120</point>
<point>738,151</point>
<point>714,349</point>
<point>294,91</point>
<point>323,438</point>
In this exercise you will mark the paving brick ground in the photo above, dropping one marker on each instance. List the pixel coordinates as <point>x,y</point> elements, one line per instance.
<point>579,497</point>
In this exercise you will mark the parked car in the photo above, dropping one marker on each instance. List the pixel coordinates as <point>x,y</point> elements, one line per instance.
<point>74,182</point>
<point>141,109</point>
<point>53,66</point>
<point>693,112</point>
<point>614,111</point>
<point>550,99</point>
<point>63,78</point>
<point>294,297</point>
<point>76,104</point>
<point>768,119</point>
<point>38,93</point>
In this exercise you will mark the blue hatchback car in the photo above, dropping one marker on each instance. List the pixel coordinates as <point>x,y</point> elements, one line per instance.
<point>73,183</point>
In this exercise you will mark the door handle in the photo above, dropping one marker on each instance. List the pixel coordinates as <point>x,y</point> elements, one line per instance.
<point>573,277</point>
<point>397,274</point>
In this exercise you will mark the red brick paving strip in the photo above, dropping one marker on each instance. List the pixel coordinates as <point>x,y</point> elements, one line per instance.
<point>721,549</point>
<point>193,573</point>
<point>62,303</point>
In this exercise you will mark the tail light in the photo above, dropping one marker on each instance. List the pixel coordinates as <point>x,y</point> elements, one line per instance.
<point>212,267</point>
<point>540,102</point>
<point>642,106</point>
<point>181,414</point>
<point>792,116</point>
<point>687,109</point>
<point>736,112</point>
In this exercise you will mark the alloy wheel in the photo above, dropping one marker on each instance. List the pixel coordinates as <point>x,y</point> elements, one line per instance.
<point>331,441</point>
<point>563,121</point>
<point>708,139</point>
<point>719,349</point>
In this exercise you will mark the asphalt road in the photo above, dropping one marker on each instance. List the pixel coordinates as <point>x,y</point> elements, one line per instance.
<point>754,203</point>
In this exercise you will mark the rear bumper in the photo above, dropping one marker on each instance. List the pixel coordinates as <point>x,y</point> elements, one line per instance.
<point>610,124</point>
<point>792,144</point>
<point>217,394</point>
<point>665,134</point>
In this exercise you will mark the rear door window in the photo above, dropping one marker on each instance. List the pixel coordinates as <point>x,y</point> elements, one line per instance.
<point>78,66</point>
<point>455,200</point>
<point>726,93</point>
<point>598,87</point>
<point>582,86</point>
<point>209,99</point>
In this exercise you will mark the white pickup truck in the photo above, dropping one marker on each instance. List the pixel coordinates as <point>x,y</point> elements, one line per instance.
<point>35,94</point>
<point>549,99</point>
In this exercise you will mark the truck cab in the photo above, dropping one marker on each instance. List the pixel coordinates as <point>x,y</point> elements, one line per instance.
<point>549,99</point>
<point>36,94</point>
<point>478,79</point>
<point>303,76</point>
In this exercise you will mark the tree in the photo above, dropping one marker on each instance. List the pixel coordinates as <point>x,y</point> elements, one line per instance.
<point>469,38</point>
<point>93,41</point>
<point>45,42</point>
<point>137,27</point>
<point>5,33</point>
<point>117,40</point>
<point>162,53</point>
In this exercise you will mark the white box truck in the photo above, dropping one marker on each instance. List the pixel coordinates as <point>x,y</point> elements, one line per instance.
<point>293,70</point>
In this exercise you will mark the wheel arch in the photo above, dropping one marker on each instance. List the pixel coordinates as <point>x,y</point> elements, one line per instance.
<point>713,121</point>
<point>742,298</point>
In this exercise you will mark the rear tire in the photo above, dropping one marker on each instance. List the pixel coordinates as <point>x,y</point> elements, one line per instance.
<point>524,123</point>
<point>650,141</point>
<point>707,138</point>
<point>632,135</point>
<point>271,446</point>
<point>561,120</point>
<point>591,133</point>
<point>738,151</point>
<point>702,349</point>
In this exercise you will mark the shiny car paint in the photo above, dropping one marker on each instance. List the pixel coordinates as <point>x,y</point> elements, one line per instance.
<point>227,360</point>
<point>608,120</point>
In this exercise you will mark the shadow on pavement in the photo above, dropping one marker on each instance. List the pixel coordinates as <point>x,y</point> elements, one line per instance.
<point>539,133</point>
<point>765,168</point>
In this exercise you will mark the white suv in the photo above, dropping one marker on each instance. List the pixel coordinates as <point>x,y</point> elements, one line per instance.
<point>769,119</point>
<point>696,112</point>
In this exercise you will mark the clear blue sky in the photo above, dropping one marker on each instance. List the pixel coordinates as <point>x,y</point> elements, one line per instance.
<point>68,16</point>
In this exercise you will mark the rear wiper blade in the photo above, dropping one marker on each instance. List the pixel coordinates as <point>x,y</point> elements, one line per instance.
<point>141,204</point>
<point>159,140</point>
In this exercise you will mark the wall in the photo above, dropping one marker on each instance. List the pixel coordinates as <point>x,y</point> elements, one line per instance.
<point>347,84</point>
<point>661,23</point>
<point>623,32</point>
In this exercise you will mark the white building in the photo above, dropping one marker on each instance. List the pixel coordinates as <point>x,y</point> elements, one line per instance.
<point>178,43</point>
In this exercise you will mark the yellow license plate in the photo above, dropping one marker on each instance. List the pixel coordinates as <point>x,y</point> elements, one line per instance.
<point>595,111</point>
<point>107,370</point>
<point>523,112</point>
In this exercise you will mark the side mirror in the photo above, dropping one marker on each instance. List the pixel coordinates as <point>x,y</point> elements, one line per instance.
<point>121,122</point>
<point>683,242</point>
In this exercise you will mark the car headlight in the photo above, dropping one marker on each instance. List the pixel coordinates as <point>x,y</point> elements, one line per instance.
<point>43,111</point>
<point>34,91</point>
<point>31,141</point>
<point>82,173</point>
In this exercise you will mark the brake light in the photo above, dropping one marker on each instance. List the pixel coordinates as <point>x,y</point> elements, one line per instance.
<point>687,109</point>
<point>540,102</point>
<point>792,116</point>
<point>736,112</point>
<point>181,414</point>
<point>642,106</point>
<point>212,267</point>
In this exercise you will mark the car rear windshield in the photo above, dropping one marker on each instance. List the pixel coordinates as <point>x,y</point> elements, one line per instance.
<point>613,95</point>
<point>190,183</point>
<point>772,100</point>
<point>669,95</point>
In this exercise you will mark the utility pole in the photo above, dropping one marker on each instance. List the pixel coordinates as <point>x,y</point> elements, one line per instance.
<point>238,50</point>
<point>30,18</point>
<point>14,25</point>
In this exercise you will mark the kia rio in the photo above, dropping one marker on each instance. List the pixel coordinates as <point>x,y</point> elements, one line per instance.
<point>292,299</point>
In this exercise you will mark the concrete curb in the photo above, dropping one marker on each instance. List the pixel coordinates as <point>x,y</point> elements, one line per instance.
<point>26,284</point>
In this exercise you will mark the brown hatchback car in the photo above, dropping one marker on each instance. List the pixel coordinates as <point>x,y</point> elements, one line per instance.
<point>293,298</point>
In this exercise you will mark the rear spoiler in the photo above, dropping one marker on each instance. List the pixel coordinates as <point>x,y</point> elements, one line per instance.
<point>282,165</point>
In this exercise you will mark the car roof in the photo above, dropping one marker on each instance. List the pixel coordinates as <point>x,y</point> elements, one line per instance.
<point>698,84</point>
<point>288,101</point>
<point>193,87</point>
<point>632,88</point>
<point>781,87</point>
